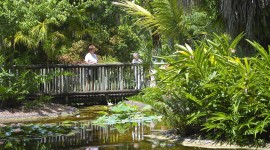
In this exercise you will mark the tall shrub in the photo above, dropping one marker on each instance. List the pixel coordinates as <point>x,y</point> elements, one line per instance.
<point>210,89</point>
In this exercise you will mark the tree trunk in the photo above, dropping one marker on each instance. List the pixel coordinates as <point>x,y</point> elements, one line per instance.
<point>250,16</point>
<point>2,47</point>
<point>156,44</point>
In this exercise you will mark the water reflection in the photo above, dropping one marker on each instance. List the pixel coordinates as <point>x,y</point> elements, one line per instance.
<point>89,134</point>
<point>109,137</point>
<point>137,131</point>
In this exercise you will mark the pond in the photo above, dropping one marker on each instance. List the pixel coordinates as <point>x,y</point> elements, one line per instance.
<point>79,133</point>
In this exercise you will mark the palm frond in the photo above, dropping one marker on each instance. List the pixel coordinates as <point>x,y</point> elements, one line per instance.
<point>40,31</point>
<point>22,38</point>
<point>166,17</point>
<point>145,18</point>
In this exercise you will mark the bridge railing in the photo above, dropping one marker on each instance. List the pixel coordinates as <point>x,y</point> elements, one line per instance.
<point>96,78</point>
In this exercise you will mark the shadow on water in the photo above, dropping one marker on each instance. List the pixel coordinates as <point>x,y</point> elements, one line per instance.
<point>84,135</point>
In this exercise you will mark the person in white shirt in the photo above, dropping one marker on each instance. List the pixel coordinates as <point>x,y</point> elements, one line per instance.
<point>138,71</point>
<point>91,73</point>
<point>91,57</point>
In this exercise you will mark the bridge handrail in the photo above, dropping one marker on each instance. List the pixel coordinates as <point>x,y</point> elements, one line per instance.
<point>72,65</point>
<point>104,77</point>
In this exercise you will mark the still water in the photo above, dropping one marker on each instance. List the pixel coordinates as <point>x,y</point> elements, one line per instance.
<point>86,136</point>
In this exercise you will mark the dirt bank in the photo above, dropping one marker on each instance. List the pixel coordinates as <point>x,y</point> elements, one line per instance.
<point>47,111</point>
<point>171,137</point>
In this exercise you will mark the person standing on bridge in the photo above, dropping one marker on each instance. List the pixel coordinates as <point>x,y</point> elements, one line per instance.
<point>138,70</point>
<point>91,57</point>
<point>91,73</point>
<point>136,58</point>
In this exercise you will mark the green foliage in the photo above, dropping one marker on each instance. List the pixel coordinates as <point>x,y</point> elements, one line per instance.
<point>75,54</point>
<point>40,26</point>
<point>15,86</point>
<point>169,21</point>
<point>210,90</point>
<point>156,97</point>
<point>52,30</point>
<point>165,18</point>
<point>107,59</point>
<point>197,23</point>
<point>122,108</point>
<point>145,51</point>
<point>2,59</point>
<point>124,42</point>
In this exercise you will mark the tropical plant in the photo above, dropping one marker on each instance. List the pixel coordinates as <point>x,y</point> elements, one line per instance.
<point>212,92</point>
<point>17,84</point>
<point>41,27</point>
<point>197,24</point>
<point>14,87</point>
<point>165,19</point>
<point>44,31</point>
<point>169,21</point>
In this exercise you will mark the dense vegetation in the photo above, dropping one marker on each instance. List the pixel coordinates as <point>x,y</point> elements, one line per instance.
<point>42,32</point>
<point>209,86</point>
<point>209,89</point>
<point>51,31</point>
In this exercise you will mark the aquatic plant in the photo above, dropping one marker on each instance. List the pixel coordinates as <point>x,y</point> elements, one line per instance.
<point>27,136</point>
<point>122,116</point>
<point>21,131</point>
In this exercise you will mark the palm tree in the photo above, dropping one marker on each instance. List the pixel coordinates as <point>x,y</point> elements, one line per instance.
<point>165,18</point>
<point>46,29</point>
<point>41,35</point>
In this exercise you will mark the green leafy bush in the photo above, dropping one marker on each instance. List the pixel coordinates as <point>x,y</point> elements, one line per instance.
<point>16,85</point>
<point>209,91</point>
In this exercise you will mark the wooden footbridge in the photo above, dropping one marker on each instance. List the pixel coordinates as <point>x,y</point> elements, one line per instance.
<point>91,83</point>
